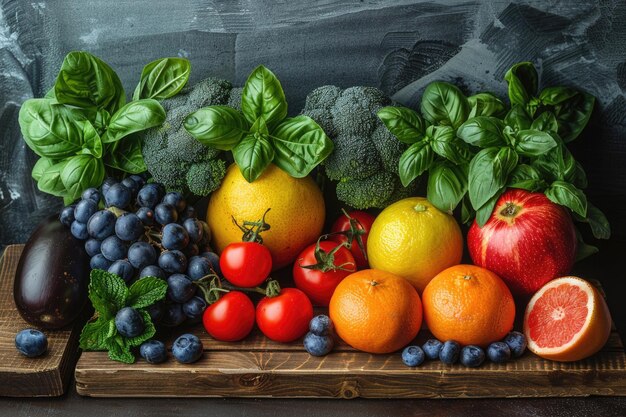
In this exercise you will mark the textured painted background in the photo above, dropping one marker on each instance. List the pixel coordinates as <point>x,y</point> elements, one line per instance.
<point>399,46</point>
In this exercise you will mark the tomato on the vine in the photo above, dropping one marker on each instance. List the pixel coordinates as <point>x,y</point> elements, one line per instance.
<point>284,317</point>
<point>230,318</point>
<point>246,264</point>
<point>359,223</point>
<point>318,276</point>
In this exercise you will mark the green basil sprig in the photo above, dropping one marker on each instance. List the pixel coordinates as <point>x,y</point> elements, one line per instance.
<point>83,129</point>
<point>262,133</point>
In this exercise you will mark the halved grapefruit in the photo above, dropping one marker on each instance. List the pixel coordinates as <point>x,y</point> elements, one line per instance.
<point>567,320</point>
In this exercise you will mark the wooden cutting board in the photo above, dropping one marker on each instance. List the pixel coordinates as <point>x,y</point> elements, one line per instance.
<point>45,376</point>
<point>258,367</point>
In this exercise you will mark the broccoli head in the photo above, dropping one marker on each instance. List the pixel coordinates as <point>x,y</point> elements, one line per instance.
<point>366,155</point>
<point>173,156</point>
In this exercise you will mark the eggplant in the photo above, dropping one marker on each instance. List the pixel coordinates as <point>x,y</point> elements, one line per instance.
<point>52,277</point>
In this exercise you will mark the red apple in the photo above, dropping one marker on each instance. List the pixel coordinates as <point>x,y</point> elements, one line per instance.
<point>527,241</point>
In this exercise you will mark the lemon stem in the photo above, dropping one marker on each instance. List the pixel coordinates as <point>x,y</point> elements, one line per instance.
<point>420,207</point>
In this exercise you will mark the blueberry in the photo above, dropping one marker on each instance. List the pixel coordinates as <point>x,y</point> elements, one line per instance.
<point>146,215</point>
<point>198,267</point>
<point>79,230</point>
<point>117,195</point>
<point>92,247</point>
<point>84,210</point>
<point>214,259</point>
<point>173,261</point>
<point>194,308</point>
<point>148,196</point>
<point>413,356</point>
<point>498,352</point>
<point>101,225</point>
<point>152,271</point>
<point>141,254</point>
<point>106,185</point>
<point>516,342</point>
<point>318,345</point>
<point>123,269</point>
<point>113,248</point>
<point>472,356</point>
<point>100,262</point>
<point>156,312</point>
<point>174,237</point>
<point>165,214</point>
<point>187,348</point>
<point>180,289</point>
<point>128,227</point>
<point>129,322</point>
<point>67,216</point>
<point>194,230</point>
<point>130,183</point>
<point>175,200</point>
<point>91,194</point>
<point>450,352</point>
<point>431,348</point>
<point>173,315</point>
<point>31,342</point>
<point>321,325</point>
<point>153,351</point>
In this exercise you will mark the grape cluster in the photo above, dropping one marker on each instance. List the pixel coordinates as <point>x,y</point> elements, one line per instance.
<point>134,229</point>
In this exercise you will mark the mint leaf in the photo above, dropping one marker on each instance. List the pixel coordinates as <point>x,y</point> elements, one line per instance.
<point>96,333</point>
<point>107,293</point>
<point>119,350</point>
<point>147,334</point>
<point>146,292</point>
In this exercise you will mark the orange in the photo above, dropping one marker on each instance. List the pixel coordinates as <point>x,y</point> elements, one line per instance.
<point>415,240</point>
<point>567,320</point>
<point>296,217</point>
<point>469,304</point>
<point>375,311</point>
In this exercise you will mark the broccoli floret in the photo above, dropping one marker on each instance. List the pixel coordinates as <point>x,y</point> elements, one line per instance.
<point>173,156</point>
<point>366,154</point>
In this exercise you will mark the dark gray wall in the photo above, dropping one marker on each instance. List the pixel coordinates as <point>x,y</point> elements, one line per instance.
<point>399,46</point>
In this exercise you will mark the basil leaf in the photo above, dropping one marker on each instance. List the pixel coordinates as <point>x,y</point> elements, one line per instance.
<point>50,94</point>
<point>86,81</point>
<point>126,156</point>
<point>49,128</point>
<point>546,122</point>
<point>81,172</point>
<point>50,181</point>
<point>577,176</point>
<point>573,115</point>
<point>600,226</point>
<point>134,117</point>
<point>483,213</point>
<point>488,173</point>
<point>552,96</point>
<point>486,104</point>
<point>253,155</point>
<point>447,184</point>
<point>300,145</point>
<point>263,96</point>
<point>163,78</point>
<point>221,127</point>
<point>40,167</point>
<point>482,131</point>
<point>259,126</point>
<point>518,118</point>
<point>467,211</point>
<point>534,142</point>
<point>101,121</point>
<point>414,161</point>
<point>445,143</point>
<point>522,80</point>
<point>404,123</point>
<point>566,194</point>
<point>92,143</point>
<point>526,177</point>
<point>443,103</point>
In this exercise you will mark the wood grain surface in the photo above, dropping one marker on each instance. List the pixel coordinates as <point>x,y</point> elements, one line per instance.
<point>20,376</point>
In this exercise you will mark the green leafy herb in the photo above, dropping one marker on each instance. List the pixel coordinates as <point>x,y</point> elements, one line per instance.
<point>108,294</point>
<point>445,104</point>
<point>261,133</point>
<point>163,78</point>
<point>134,117</point>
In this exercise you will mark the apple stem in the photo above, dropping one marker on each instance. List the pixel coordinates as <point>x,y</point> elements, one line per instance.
<point>510,210</point>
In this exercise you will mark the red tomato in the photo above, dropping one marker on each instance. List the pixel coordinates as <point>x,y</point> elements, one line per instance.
<point>231,318</point>
<point>319,284</point>
<point>285,317</point>
<point>246,264</point>
<point>343,224</point>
